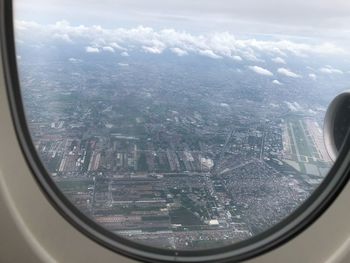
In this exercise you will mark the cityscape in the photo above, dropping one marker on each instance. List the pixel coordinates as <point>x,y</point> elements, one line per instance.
<point>177,151</point>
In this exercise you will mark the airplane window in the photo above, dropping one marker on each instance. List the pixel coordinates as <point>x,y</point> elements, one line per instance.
<point>177,129</point>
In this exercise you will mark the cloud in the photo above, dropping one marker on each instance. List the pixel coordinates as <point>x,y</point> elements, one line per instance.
<point>209,53</point>
<point>330,70</point>
<point>92,49</point>
<point>288,73</point>
<point>153,50</point>
<point>124,54</point>
<point>178,51</point>
<point>214,45</point>
<point>117,46</point>
<point>225,105</point>
<point>298,17</point>
<point>109,49</point>
<point>312,76</point>
<point>261,71</point>
<point>237,58</point>
<point>123,64</point>
<point>279,60</point>
<point>74,60</point>
<point>277,82</point>
<point>63,37</point>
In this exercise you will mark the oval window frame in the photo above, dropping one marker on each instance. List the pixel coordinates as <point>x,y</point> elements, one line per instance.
<point>294,224</point>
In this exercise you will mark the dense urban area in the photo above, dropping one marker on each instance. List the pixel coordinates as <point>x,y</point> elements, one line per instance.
<point>179,153</point>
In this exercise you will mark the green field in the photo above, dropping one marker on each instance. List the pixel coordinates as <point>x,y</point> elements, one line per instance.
<point>74,186</point>
<point>184,217</point>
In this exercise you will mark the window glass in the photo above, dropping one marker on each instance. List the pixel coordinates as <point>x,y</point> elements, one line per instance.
<point>182,125</point>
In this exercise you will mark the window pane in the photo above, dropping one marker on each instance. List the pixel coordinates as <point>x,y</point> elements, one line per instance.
<point>178,124</point>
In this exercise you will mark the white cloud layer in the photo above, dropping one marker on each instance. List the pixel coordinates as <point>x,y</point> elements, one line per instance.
<point>153,50</point>
<point>288,73</point>
<point>213,45</point>
<point>178,51</point>
<point>330,70</point>
<point>92,49</point>
<point>237,58</point>
<point>312,76</point>
<point>277,82</point>
<point>297,17</point>
<point>109,49</point>
<point>209,53</point>
<point>279,60</point>
<point>74,60</point>
<point>261,71</point>
<point>63,37</point>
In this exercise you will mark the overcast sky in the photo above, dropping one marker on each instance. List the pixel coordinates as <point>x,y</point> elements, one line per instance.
<point>293,15</point>
<point>245,30</point>
<point>323,20</point>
